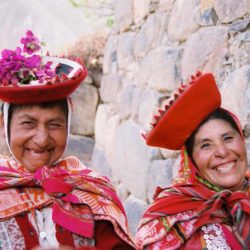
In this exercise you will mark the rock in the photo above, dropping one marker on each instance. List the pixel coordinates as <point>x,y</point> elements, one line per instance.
<point>240,49</point>
<point>148,104</point>
<point>230,10</point>
<point>240,25</point>
<point>110,87</point>
<point>128,101</point>
<point>134,208</point>
<point>141,9</point>
<point>208,17</point>
<point>129,158</point>
<point>167,153</point>
<point>122,192</point>
<point>85,101</point>
<point>166,5</point>
<point>146,38</point>
<point>238,102</point>
<point>123,16</point>
<point>103,119</point>
<point>160,175</point>
<point>206,4</point>
<point>110,56</point>
<point>125,45</point>
<point>182,21</point>
<point>160,69</point>
<point>80,146</point>
<point>205,51</point>
<point>99,162</point>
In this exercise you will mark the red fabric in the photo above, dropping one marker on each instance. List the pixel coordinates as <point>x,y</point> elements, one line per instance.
<point>190,107</point>
<point>42,93</point>
<point>29,233</point>
<point>233,243</point>
<point>76,201</point>
<point>64,236</point>
<point>106,238</point>
<point>201,200</point>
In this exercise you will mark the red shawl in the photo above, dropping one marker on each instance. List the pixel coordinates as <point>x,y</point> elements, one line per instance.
<point>77,194</point>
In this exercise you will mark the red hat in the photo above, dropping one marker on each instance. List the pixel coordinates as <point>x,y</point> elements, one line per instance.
<point>28,78</point>
<point>191,105</point>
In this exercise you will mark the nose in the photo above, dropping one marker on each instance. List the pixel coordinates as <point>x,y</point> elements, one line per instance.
<point>41,136</point>
<point>221,151</point>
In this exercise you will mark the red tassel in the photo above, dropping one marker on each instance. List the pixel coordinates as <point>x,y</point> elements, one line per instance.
<point>198,74</point>
<point>176,96</point>
<point>171,102</point>
<point>157,117</point>
<point>166,107</point>
<point>161,112</point>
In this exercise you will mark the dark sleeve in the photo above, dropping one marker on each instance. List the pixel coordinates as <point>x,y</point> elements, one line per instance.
<point>106,238</point>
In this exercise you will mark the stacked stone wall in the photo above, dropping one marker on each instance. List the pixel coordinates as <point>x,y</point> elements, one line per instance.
<point>153,46</point>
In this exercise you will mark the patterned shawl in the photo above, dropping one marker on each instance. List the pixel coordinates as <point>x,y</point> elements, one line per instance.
<point>179,211</point>
<point>78,196</point>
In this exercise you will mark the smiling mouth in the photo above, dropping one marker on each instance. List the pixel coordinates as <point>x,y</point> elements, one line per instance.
<point>224,167</point>
<point>39,152</point>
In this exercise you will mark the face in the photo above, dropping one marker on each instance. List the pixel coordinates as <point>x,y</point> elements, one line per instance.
<point>38,136</point>
<point>220,155</point>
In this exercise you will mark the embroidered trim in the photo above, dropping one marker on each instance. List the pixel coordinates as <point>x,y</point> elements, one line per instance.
<point>214,237</point>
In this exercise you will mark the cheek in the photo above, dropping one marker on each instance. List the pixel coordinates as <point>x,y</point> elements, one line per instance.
<point>201,160</point>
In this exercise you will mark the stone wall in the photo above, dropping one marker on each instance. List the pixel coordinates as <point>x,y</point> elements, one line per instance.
<point>154,45</point>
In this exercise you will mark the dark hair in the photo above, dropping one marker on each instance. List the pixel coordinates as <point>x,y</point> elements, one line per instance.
<point>62,104</point>
<point>217,114</point>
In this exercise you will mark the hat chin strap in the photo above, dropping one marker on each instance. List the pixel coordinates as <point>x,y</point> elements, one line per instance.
<point>6,107</point>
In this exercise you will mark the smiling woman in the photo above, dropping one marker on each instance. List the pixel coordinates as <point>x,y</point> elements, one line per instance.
<point>47,201</point>
<point>208,206</point>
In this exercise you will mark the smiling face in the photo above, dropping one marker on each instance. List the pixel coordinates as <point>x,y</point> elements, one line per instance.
<point>219,154</point>
<point>38,135</point>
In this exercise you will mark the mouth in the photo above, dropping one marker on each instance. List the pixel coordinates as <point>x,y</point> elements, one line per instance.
<point>224,168</point>
<point>38,152</point>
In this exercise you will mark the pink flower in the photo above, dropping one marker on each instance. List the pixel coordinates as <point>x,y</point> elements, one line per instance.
<point>30,43</point>
<point>16,67</point>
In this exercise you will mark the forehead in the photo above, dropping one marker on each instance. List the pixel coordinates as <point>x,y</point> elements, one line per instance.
<point>31,110</point>
<point>214,127</point>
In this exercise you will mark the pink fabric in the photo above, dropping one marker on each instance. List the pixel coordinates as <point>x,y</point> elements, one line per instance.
<point>76,194</point>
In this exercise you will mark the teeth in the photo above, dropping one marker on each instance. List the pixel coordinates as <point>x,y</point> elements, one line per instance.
<point>225,167</point>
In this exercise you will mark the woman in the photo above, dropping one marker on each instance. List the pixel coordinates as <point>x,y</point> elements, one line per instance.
<point>48,202</point>
<point>208,206</point>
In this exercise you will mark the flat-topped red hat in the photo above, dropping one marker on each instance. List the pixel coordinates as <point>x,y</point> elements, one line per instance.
<point>26,77</point>
<point>189,107</point>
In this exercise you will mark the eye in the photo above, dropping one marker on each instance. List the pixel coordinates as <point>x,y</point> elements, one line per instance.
<point>56,125</point>
<point>27,124</point>
<point>228,138</point>
<point>205,145</point>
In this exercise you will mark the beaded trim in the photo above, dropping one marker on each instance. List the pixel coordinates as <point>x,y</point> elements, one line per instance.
<point>214,237</point>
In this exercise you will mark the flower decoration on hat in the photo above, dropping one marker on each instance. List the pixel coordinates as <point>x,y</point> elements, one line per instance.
<point>186,109</point>
<point>27,76</point>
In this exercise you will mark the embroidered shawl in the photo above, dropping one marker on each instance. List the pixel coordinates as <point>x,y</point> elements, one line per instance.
<point>78,196</point>
<point>179,211</point>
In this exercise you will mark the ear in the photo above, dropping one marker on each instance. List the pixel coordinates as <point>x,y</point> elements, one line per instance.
<point>2,130</point>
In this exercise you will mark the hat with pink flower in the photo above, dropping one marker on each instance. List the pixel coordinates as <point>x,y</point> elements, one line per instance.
<point>27,76</point>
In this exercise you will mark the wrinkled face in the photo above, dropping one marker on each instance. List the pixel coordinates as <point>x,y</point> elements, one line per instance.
<point>38,136</point>
<point>220,155</point>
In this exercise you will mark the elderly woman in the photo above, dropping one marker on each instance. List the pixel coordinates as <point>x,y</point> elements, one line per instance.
<point>48,202</point>
<point>208,206</point>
